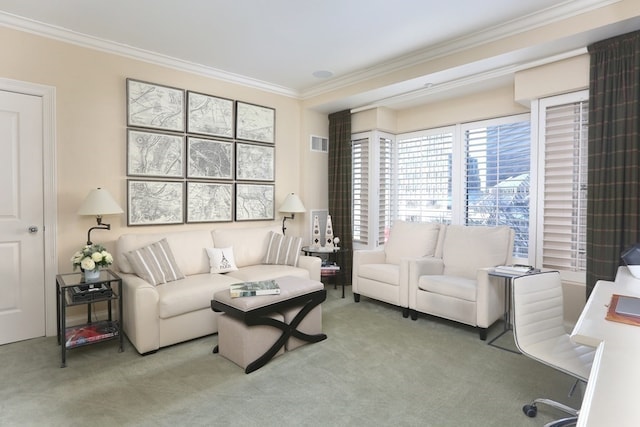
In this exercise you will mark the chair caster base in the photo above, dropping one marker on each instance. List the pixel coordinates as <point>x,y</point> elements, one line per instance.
<point>530,410</point>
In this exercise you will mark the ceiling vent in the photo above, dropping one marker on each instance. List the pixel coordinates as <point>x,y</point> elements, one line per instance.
<point>319,143</point>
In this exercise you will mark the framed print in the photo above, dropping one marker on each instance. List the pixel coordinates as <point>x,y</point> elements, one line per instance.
<point>209,202</point>
<point>154,154</point>
<point>254,202</point>
<point>255,162</point>
<point>155,202</point>
<point>209,115</point>
<point>255,123</point>
<point>209,159</point>
<point>155,106</point>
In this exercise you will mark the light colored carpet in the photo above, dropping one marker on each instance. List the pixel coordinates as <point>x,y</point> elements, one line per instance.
<point>375,369</point>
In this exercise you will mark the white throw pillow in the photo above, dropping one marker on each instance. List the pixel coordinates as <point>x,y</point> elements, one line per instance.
<point>221,260</point>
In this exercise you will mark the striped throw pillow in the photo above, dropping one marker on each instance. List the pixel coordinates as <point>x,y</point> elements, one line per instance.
<point>155,263</point>
<point>283,250</point>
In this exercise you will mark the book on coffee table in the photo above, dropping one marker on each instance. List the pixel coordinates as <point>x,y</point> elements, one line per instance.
<point>250,289</point>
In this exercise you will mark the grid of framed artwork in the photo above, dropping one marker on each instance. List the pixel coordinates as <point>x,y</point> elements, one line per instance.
<point>194,157</point>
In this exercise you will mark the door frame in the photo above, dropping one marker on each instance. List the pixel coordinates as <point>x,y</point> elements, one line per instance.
<point>50,202</point>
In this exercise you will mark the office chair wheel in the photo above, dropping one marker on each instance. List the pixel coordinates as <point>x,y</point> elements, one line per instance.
<point>530,410</point>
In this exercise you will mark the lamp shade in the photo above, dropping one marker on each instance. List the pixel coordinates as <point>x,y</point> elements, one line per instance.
<point>292,204</point>
<point>99,202</point>
<point>631,258</point>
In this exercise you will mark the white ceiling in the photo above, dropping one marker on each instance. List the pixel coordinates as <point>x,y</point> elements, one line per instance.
<point>279,44</point>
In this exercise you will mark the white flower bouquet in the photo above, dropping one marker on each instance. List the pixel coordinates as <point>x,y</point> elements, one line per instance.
<point>91,257</point>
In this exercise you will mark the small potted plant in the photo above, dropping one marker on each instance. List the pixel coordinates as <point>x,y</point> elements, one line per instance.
<point>90,259</point>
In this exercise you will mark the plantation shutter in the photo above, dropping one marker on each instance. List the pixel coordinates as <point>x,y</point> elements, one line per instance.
<point>360,172</point>
<point>565,186</point>
<point>384,189</point>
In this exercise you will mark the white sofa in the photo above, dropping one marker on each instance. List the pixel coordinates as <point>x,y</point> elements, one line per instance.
<point>383,274</point>
<point>456,285</point>
<point>156,316</point>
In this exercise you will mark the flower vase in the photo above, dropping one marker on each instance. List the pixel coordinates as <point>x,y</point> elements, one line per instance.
<point>91,275</point>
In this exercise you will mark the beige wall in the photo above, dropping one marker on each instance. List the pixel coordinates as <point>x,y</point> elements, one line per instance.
<point>91,129</point>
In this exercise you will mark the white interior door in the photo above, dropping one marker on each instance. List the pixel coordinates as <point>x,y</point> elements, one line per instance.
<point>22,290</point>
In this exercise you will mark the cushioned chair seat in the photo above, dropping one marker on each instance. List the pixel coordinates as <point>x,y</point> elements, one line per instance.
<point>267,272</point>
<point>457,287</point>
<point>387,273</point>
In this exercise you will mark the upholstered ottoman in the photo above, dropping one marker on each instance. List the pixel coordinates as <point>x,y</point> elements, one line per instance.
<point>298,299</point>
<point>311,324</point>
<point>243,344</point>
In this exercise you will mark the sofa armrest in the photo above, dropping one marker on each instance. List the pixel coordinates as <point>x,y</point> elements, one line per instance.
<point>312,264</point>
<point>140,313</point>
<point>362,257</point>
<point>490,297</point>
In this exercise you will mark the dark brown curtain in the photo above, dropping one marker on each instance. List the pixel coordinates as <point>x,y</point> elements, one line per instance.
<point>613,214</point>
<point>340,188</point>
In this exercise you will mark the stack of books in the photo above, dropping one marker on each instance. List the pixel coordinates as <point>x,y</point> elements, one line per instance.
<point>250,289</point>
<point>514,269</point>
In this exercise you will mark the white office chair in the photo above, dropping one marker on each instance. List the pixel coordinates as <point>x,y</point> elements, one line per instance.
<point>538,327</point>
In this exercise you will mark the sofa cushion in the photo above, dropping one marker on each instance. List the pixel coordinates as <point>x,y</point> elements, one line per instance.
<point>249,244</point>
<point>387,273</point>
<point>155,263</point>
<point>283,250</point>
<point>469,248</point>
<point>192,293</point>
<point>221,260</point>
<point>411,240</point>
<point>456,287</point>
<point>267,272</point>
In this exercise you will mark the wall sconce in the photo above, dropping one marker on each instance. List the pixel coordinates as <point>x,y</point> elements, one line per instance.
<point>292,204</point>
<point>99,202</point>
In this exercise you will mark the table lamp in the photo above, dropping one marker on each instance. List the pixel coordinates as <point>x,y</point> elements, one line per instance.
<point>631,258</point>
<point>292,204</point>
<point>99,202</point>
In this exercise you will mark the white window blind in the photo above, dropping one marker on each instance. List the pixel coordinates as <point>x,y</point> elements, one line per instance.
<point>424,177</point>
<point>360,196</point>
<point>384,188</point>
<point>565,186</point>
<point>498,158</point>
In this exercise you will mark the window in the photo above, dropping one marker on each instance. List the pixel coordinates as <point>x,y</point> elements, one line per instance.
<point>424,172</point>
<point>497,158</point>
<point>563,129</point>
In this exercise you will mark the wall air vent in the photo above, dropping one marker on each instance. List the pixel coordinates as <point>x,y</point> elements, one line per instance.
<point>319,143</point>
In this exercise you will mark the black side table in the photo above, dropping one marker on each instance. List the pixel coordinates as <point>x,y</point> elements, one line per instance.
<point>330,268</point>
<point>72,289</point>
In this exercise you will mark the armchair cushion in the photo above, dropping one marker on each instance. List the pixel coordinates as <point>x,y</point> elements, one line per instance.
<point>457,287</point>
<point>411,240</point>
<point>467,249</point>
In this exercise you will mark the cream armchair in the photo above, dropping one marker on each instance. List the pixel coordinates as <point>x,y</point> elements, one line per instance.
<point>457,286</point>
<point>383,274</point>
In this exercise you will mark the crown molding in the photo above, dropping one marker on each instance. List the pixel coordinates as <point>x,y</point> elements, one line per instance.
<point>511,28</point>
<point>83,40</point>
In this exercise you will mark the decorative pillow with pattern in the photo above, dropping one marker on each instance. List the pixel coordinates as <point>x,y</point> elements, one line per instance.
<point>283,250</point>
<point>221,260</point>
<point>155,263</point>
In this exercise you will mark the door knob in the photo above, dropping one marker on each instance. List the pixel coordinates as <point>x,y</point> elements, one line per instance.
<point>33,229</point>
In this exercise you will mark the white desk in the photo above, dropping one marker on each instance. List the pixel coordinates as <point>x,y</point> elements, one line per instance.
<point>613,390</point>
